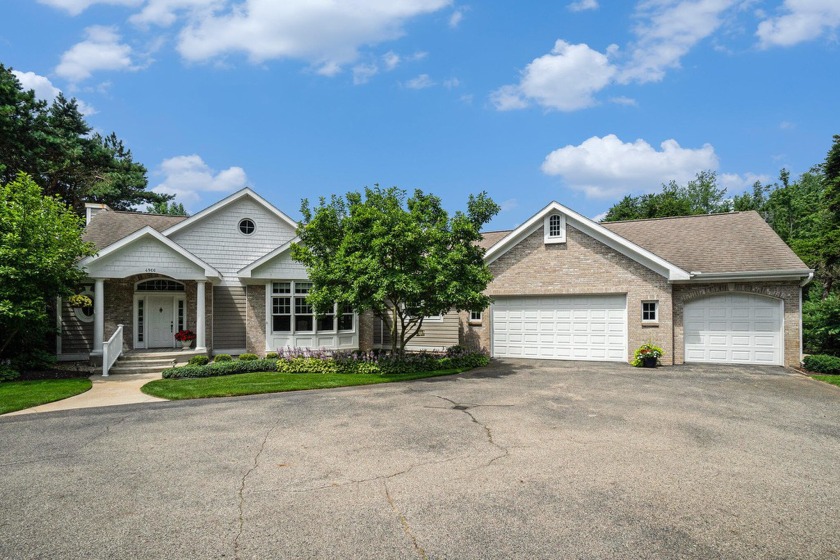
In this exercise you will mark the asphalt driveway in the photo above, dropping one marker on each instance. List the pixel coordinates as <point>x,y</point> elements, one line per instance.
<point>522,459</point>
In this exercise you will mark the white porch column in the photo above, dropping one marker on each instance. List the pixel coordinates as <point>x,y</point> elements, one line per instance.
<point>200,316</point>
<point>98,316</point>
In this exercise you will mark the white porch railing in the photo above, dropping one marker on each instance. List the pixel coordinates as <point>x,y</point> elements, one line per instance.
<point>112,350</point>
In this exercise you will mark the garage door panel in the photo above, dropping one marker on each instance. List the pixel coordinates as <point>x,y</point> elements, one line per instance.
<point>565,327</point>
<point>734,328</point>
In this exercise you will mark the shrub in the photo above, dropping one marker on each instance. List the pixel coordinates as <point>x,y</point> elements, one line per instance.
<point>821,323</point>
<point>8,373</point>
<point>271,356</point>
<point>646,350</point>
<point>822,363</point>
<point>306,365</point>
<point>222,358</point>
<point>220,368</point>
<point>248,357</point>
<point>199,360</point>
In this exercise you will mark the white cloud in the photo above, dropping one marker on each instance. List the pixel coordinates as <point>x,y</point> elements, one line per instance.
<point>44,89</point>
<point>583,5</point>
<point>422,81</point>
<point>362,73</point>
<point>101,50</point>
<point>787,125</point>
<point>166,12</point>
<point>451,83</point>
<point>667,31</point>
<point>626,101</point>
<point>391,60</point>
<point>601,216</point>
<point>456,18</point>
<point>326,34</point>
<point>75,7</point>
<point>607,167</point>
<point>802,20</point>
<point>565,79</point>
<point>188,176</point>
<point>736,183</point>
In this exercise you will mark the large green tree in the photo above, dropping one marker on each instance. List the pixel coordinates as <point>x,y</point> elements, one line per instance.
<point>55,146</point>
<point>403,259</point>
<point>40,242</point>
<point>701,195</point>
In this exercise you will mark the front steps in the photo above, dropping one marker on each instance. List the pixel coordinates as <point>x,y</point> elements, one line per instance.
<point>150,361</point>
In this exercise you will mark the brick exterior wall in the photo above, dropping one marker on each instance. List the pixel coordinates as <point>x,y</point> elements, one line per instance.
<point>581,266</point>
<point>786,291</point>
<point>255,319</point>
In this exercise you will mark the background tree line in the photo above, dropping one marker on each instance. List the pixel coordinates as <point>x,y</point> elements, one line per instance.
<point>805,212</point>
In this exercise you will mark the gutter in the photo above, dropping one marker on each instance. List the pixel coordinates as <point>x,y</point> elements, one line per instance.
<point>806,282</point>
<point>788,274</point>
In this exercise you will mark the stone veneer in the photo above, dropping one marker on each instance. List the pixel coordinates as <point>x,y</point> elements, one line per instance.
<point>255,319</point>
<point>580,266</point>
<point>786,291</point>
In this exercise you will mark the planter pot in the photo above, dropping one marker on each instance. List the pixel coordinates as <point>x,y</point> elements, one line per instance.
<point>185,344</point>
<point>649,361</point>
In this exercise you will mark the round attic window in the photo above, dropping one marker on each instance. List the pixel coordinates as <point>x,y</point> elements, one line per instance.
<point>247,226</point>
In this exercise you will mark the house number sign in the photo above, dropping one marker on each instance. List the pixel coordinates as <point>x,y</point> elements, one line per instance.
<point>151,270</point>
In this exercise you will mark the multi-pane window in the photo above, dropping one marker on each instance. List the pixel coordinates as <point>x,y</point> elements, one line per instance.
<point>555,226</point>
<point>345,320</point>
<point>160,285</point>
<point>650,311</point>
<point>181,311</point>
<point>289,309</point>
<point>141,316</point>
<point>475,316</point>
<point>247,226</point>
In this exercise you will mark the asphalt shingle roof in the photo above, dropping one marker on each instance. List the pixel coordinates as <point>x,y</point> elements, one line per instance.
<point>734,242</point>
<point>110,226</point>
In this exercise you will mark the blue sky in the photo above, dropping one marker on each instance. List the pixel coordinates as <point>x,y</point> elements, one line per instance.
<point>576,101</point>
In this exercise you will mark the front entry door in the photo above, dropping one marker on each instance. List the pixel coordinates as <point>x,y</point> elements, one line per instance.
<point>161,326</point>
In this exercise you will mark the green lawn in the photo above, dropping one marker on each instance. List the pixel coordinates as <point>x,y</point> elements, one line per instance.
<point>17,395</point>
<point>270,382</point>
<point>833,379</point>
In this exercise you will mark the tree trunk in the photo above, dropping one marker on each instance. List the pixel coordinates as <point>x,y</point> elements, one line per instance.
<point>394,332</point>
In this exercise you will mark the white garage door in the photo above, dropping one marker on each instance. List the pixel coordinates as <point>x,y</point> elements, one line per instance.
<point>734,328</point>
<point>561,328</point>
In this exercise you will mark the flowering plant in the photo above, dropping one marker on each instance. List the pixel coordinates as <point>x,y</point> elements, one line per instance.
<point>646,350</point>
<point>183,335</point>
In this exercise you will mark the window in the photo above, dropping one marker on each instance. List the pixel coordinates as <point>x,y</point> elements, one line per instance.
<point>650,311</point>
<point>476,316</point>
<point>85,314</point>
<point>345,320</point>
<point>281,307</point>
<point>554,228</point>
<point>247,226</point>
<point>140,319</point>
<point>159,285</point>
<point>181,322</point>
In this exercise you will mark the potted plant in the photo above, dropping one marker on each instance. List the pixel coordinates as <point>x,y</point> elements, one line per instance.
<point>185,337</point>
<point>647,355</point>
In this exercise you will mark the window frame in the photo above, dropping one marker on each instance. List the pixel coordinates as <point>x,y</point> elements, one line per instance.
<point>655,311</point>
<point>476,320</point>
<point>296,295</point>
<point>243,221</point>
<point>560,225</point>
<point>79,312</point>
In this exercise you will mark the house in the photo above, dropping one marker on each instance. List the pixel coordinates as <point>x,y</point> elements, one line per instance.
<point>718,288</point>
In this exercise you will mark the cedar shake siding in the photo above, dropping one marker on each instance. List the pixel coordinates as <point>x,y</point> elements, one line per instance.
<point>434,334</point>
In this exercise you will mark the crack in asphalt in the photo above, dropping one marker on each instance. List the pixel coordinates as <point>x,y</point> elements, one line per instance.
<point>242,491</point>
<point>465,408</point>
<point>404,522</point>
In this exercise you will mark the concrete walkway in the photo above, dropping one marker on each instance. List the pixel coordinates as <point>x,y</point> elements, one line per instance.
<point>106,391</point>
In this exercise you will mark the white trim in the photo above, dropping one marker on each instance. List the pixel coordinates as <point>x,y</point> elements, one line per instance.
<point>547,237</point>
<point>176,297</point>
<point>594,230</point>
<point>149,231</point>
<point>791,274</point>
<point>655,302</point>
<point>210,210</point>
<point>247,271</point>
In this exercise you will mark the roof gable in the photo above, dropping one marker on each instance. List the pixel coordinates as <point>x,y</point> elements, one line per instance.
<point>594,230</point>
<point>213,209</point>
<point>172,259</point>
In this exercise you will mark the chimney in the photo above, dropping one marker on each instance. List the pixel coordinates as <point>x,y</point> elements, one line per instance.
<point>91,209</point>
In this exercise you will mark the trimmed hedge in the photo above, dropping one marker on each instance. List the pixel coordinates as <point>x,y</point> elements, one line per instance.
<point>200,360</point>
<point>246,357</point>
<point>220,368</point>
<point>222,358</point>
<point>822,363</point>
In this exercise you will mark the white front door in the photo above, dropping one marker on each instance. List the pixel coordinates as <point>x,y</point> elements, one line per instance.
<point>160,322</point>
<point>561,327</point>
